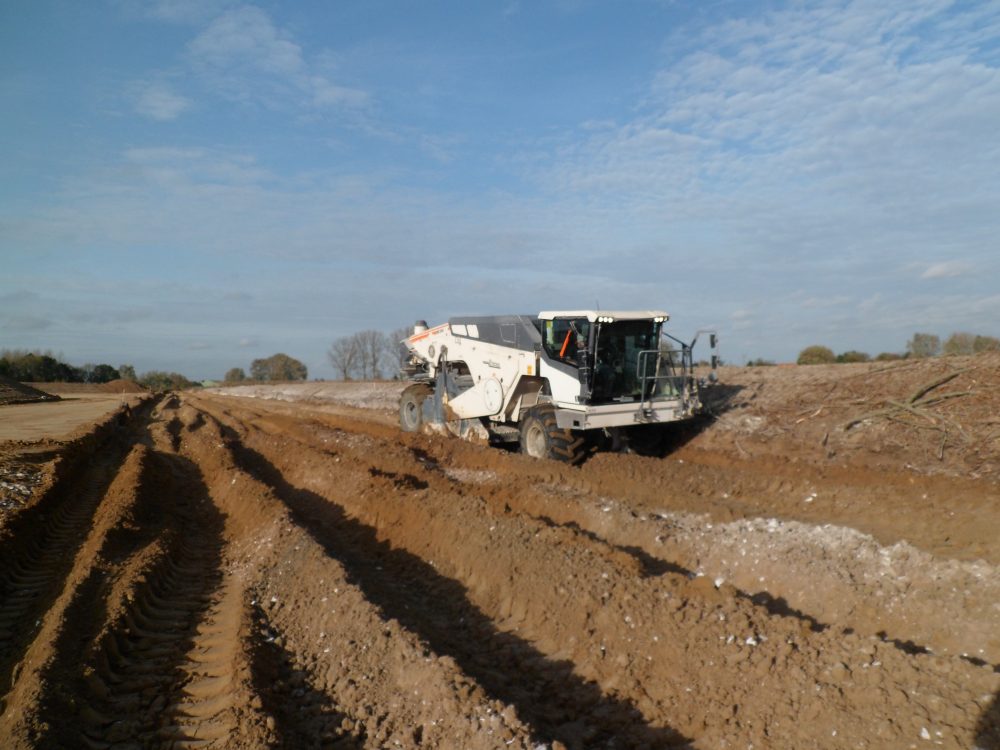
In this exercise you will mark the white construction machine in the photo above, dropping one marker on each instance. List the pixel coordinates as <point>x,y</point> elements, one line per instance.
<point>558,383</point>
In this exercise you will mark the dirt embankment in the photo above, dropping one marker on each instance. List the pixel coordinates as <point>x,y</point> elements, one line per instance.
<point>13,392</point>
<point>112,386</point>
<point>925,416</point>
<point>226,572</point>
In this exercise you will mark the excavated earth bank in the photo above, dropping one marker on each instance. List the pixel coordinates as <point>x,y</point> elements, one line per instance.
<point>234,573</point>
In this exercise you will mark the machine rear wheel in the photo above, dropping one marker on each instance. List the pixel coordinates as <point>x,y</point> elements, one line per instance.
<point>541,437</point>
<point>411,407</point>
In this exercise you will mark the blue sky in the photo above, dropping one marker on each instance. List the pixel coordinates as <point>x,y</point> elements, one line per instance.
<point>192,184</point>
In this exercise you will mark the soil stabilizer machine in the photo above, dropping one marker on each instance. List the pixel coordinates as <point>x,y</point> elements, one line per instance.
<point>558,383</point>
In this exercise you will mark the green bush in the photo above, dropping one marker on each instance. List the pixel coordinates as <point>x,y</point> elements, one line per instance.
<point>278,367</point>
<point>157,380</point>
<point>853,356</point>
<point>959,343</point>
<point>816,355</point>
<point>986,344</point>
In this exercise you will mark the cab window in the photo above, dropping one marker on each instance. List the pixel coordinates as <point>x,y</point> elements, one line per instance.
<point>562,338</point>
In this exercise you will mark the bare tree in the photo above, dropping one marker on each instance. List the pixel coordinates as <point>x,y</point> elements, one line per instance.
<point>924,345</point>
<point>371,348</point>
<point>396,353</point>
<point>345,356</point>
<point>370,354</point>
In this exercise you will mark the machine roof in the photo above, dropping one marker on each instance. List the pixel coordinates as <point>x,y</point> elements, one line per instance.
<point>592,315</point>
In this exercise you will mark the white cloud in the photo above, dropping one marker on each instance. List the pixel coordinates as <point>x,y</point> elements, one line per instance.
<point>244,55</point>
<point>847,139</point>
<point>246,37</point>
<point>174,11</point>
<point>180,168</point>
<point>326,94</point>
<point>946,269</point>
<point>158,101</point>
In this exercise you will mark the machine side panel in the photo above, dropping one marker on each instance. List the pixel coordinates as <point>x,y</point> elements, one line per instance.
<point>514,331</point>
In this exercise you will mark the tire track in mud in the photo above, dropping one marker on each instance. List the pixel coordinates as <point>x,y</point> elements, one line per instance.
<point>702,620</point>
<point>546,693</point>
<point>347,676</point>
<point>144,652</point>
<point>30,574</point>
<point>141,662</point>
<point>304,716</point>
<point>164,670</point>
<point>40,545</point>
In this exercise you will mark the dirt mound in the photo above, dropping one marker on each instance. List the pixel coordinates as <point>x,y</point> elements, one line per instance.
<point>931,416</point>
<point>122,386</point>
<point>13,392</point>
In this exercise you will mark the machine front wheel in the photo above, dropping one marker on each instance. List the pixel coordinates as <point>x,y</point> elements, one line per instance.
<point>541,437</point>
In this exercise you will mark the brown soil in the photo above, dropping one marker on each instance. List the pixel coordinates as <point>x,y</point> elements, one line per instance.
<point>230,572</point>
<point>32,422</point>
<point>123,386</point>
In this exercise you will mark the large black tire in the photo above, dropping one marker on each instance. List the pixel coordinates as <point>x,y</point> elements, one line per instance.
<point>541,437</point>
<point>411,407</point>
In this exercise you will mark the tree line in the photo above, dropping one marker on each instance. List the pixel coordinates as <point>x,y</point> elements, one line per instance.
<point>276,368</point>
<point>365,355</point>
<point>45,367</point>
<point>369,355</point>
<point>921,345</point>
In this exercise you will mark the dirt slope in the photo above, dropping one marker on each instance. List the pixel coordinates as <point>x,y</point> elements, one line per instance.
<point>225,572</point>
<point>927,416</point>
<point>13,392</point>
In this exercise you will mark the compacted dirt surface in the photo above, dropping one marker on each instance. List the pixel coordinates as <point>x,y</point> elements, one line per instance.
<point>229,571</point>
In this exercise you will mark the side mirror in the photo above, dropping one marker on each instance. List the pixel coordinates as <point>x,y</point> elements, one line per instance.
<point>712,340</point>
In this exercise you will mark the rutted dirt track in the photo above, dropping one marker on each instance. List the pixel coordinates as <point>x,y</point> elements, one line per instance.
<point>223,572</point>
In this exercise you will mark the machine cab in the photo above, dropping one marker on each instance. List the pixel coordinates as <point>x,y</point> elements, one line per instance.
<point>616,354</point>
